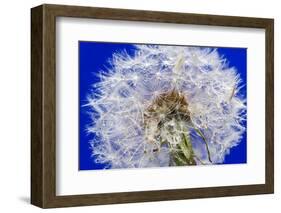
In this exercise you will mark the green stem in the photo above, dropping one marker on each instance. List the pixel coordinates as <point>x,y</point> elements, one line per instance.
<point>185,155</point>
<point>187,149</point>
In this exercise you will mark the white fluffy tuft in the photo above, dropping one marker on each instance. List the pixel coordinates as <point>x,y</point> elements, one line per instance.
<point>124,93</point>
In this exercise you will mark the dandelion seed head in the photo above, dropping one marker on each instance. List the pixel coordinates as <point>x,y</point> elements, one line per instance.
<point>161,90</point>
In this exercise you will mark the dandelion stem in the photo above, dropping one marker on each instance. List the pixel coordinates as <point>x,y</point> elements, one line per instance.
<point>185,154</point>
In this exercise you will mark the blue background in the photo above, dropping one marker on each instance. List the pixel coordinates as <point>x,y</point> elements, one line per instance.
<point>93,57</point>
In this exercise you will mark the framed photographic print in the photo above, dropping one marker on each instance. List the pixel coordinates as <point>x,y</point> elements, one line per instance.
<point>136,106</point>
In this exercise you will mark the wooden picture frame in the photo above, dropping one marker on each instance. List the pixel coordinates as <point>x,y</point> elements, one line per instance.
<point>43,105</point>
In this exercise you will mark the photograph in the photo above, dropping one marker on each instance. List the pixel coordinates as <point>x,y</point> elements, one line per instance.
<point>131,105</point>
<point>161,105</point>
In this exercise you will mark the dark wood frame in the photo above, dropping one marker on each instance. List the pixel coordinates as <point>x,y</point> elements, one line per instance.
<point>43,105</point>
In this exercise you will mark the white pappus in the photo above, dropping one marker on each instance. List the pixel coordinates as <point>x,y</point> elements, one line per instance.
<point>166,106</point>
